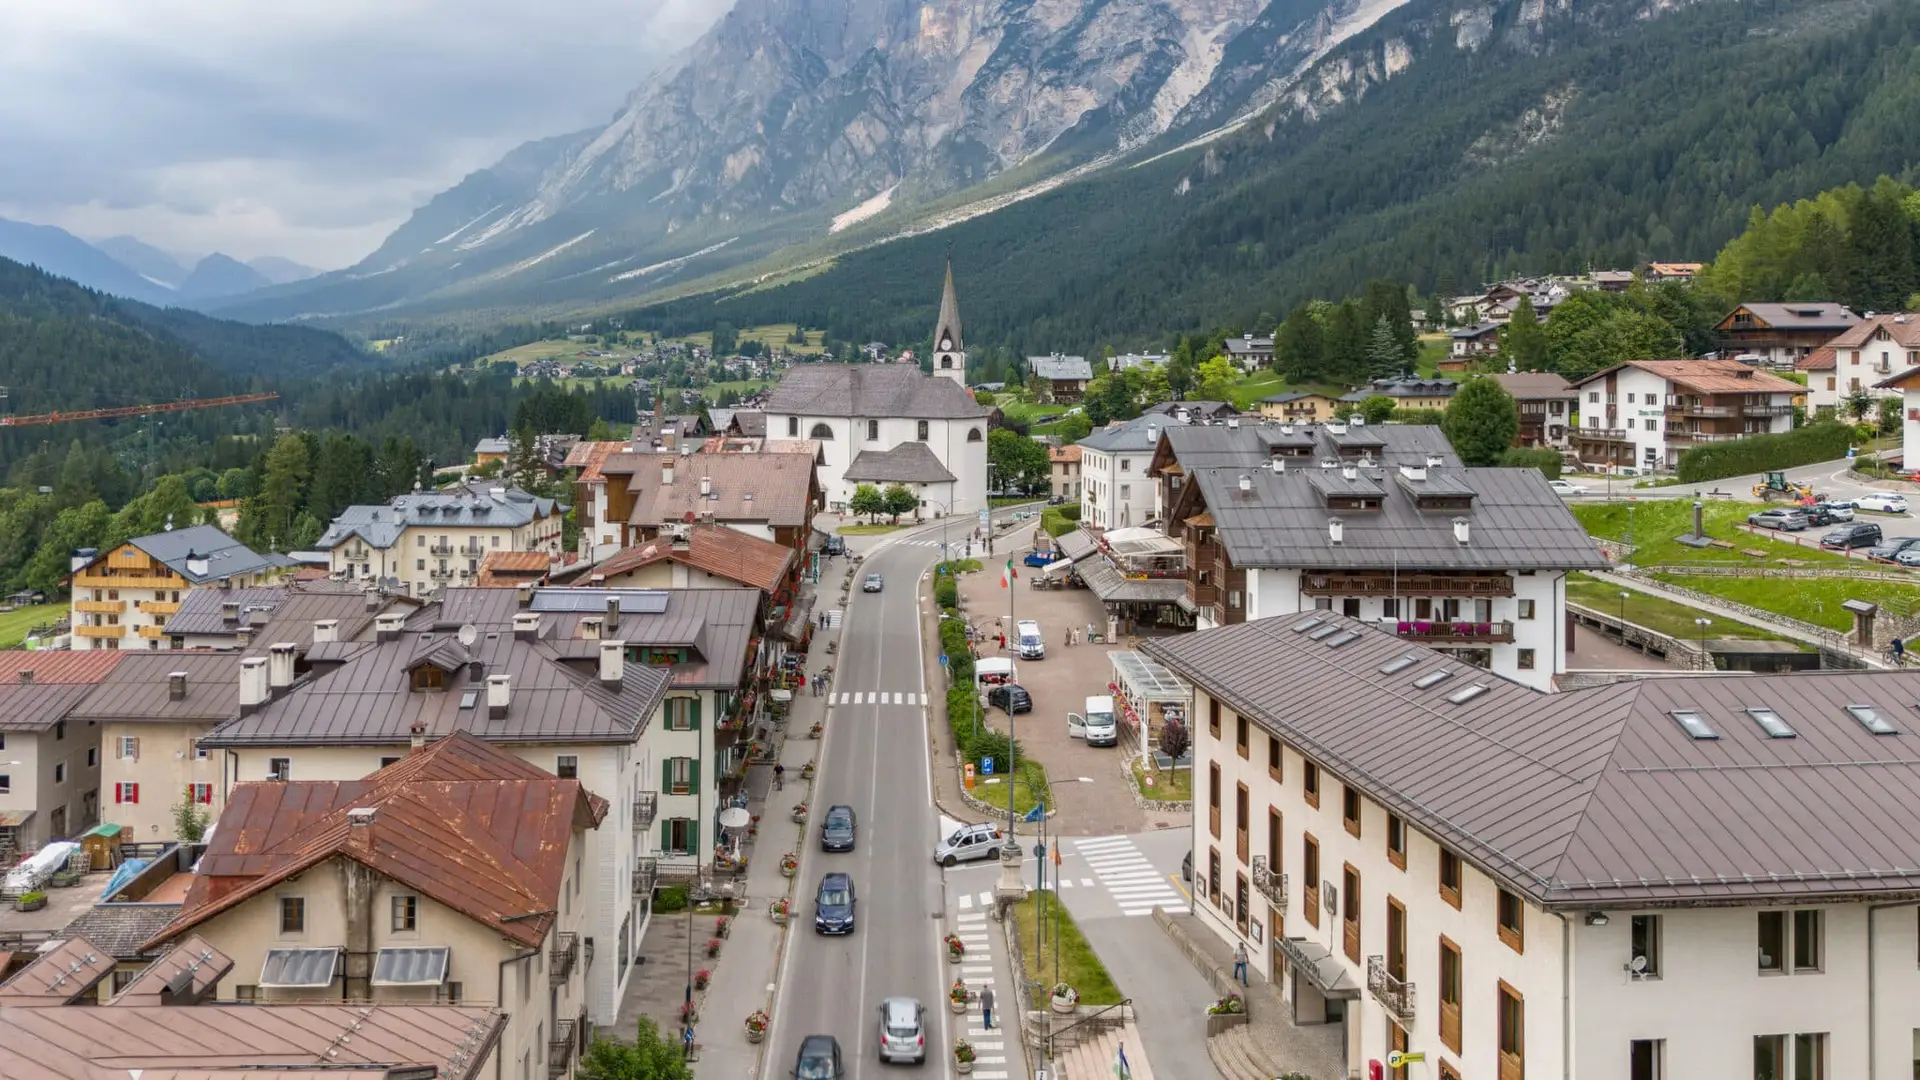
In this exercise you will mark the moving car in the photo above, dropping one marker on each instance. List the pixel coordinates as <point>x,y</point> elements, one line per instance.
<point>837,831</point>
<point>833,904</point>
<point>968,843</point>
<point>1014,699</point>
<point>874,583</point>
<point>1790,520</point>
<point>1563,487</point>
<point>903,1030</point>
<point>1097,725</point>
<point>819,1059</point>
<point>1863,534</point>
<point>1882,502</point>
<point>1026,634</point>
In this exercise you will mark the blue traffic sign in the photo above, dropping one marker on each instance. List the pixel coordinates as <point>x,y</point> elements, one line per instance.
<point>943,659</point>
<point>986,766</point>
<point>1039,850</point>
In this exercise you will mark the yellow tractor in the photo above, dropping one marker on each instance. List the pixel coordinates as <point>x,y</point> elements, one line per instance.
<point>1777,486</point>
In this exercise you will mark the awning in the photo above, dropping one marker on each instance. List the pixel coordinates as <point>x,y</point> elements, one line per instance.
<point>410,967</point>
<point>1076,545</point>
<point>10,819</point>
<point>1315,961</point>
<point>1113,587</point>
<point>798,618</point>
<point>299,968</point>
<point>1057,568</point>
<point>1146,679</point>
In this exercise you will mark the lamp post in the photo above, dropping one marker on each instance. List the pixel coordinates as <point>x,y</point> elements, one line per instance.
<point>1703,623</point>
<point>1623,616</point>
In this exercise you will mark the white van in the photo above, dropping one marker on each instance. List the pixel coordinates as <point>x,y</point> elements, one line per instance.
<point>1098,725</point>
<point>1027,633</point>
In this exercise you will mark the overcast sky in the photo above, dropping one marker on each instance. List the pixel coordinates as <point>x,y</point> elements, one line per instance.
<point>301,128</point>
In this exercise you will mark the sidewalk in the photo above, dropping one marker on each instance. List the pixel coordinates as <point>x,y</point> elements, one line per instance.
<point>1786,629</point>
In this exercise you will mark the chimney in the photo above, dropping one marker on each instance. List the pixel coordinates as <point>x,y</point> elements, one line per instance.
<point>590,628</point>
<point>1351,472</point>
<point>26,676</point>
<point>326,631</point>
<point>666,471</point>
<point>1233,422</point>
<point>280,666</point>
<point>613,663</point>
<point>1413,472</point>
<point>1337,429</point>
<point>1279,465</point>
<point>526,626</point>
<point>1246,482</point>
<point>373,596</point>
<point>1462,528</point>
<point>361,817</point>
<point>418,734</point>
<point>499,695</point>
<point>499,494</point>
<point>253,684</point>
<point>1434,461</point>
<point>526,594</point>
<point>1357,420</point>
<point>386,627</point>
<point>230,611</point>
<point>706,487</point>
<point>1286,429</point>
<point>613,615</point>
<point>176,686</point>
<point>1336,530</point>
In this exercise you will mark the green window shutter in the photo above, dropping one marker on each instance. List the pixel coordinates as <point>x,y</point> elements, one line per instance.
<point>666,833</point>
<point>666,775</point>
<point>693,714</point>
<point>693,776</point>
<point>693,837</point>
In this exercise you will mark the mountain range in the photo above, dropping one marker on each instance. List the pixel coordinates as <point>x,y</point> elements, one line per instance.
<point>128,267</point>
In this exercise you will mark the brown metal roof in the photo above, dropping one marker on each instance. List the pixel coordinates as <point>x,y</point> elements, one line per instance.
<point>184,974</point>
<point>1824,358</point>
<point>479,830</point>
<point>59,975</point>
<point>1535,385</point>
<point>770,487</point>
<point>1596,797</point>
<point>203,1042</point>
<point>37,707</point>
<point>1707,376</point>
<point>715,549</point>
<point>57,665</point>
<point>138,689</point>
<point>1903,328</point>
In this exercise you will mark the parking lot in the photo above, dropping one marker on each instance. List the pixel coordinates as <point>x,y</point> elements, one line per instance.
<point>1087,785</point>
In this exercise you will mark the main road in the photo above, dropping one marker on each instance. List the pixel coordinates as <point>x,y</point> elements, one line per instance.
<point>874,759</point>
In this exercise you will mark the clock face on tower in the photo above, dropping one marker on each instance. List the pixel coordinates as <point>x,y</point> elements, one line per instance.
<point>946,343</point>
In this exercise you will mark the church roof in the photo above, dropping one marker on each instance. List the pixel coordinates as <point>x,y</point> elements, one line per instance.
<point>871,390</point>
<point>949,314</point>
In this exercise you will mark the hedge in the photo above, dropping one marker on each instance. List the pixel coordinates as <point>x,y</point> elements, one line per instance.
<point>1057,523</point>
<point>1823,441</point>
<point>1547,461</point>
<point>946,593</point>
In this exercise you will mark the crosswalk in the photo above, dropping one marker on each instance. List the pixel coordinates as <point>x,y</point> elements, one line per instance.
<point>1133,882</point>
<point>876,697</point>
<point>967,900</point>
<point>989,1044</point>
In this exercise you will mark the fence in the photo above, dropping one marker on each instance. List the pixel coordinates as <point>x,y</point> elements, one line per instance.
<point>1675,651</point>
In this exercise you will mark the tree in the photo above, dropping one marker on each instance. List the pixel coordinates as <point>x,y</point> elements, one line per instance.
<point>1377,409</point>
<point>1174,741</point>
<point>1383,352</point>
<point>1523,344</point>
<point>1154,387</point>
<point>1889,415</point>
<point>899,499</point>
<point>75,527</point>
<point>1299,348</point>
<point>725,339</point>
<point>1074,428</point>
<point>1017,461</point>
<point>984,397</point>
<point>75,485</point>
<point>867,501</point>
<point>1180,377</point>
<point>651,1057</point>
<point>1856,404</point>
<point>1436,312</point>
<point>190,819</point>
<point>1218,377</point>
<point>1482,421</point>
<point>599,431</point>
<point>523,460</point>
<point>266,522</point>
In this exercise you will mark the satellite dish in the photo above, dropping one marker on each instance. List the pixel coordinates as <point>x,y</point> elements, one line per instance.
<point>469,635</point>
<point>1638,965</point>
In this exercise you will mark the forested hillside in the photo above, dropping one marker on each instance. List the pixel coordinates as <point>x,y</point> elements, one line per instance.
<point>1588,137</point>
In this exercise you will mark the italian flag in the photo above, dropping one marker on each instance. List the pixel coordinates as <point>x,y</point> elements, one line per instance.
<point>1010,576</point>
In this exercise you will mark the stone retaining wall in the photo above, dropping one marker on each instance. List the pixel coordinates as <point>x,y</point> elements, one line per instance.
<point>1161,806</point>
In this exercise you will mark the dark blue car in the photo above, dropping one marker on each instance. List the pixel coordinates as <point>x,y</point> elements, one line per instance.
<point>833,905</point>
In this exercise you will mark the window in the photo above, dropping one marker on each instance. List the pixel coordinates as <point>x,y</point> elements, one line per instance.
<point>293,915</point>
<point>679,836</point>
<point>1643,958</point>
<point>1450,994</point>
<point>1126,491</point>
<point>1790,1057</point>
<point>1871,719</point>
<point>1350,809</point>
<point>1807,941</point>
<point>1310,782</point>
<point>793,427</point>
<point>1790,941</point>
<point>1274,766</point>
<point>1593,397</point>
<point>1396,841</point>
<point>567,767</point>
<point>1126,464</point>
<point>406,913</point>
<point>873,431</point>
<point>6,784</point>
<point>1213,876</point>
<point>973,434</point>
<point>201,793</point>
<point>389,759</point>
<point>1396,1040</point>
<point>60,772</point>
<point>126,793</point>
<point>1350,607</point>
<point>1525,660</point>
<point>1350,911</point>
<point>1310,879</point>
<point>821,432</point>
<point>1213,797</point>
<point>1274,833</point>
<point>1512,917</point>
<point>93,754</point>
<point>1647,1059</point>
<point>683,776</point>
<point>1512,1036</point>
<point>1213,718</point>
<point>683,714</point>
<point>129,749</point>
<point>1450,878</point>
<point>1241,824</point>
<point>1448,1072</point>
<point>920,430</point>
<point>282,768</point>
<point>1240,735</point>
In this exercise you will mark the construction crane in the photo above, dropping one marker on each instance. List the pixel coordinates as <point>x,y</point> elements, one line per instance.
<point>129,410</point>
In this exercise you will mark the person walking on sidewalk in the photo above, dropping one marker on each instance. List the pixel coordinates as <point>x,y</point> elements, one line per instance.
<point>986,1007</point>
<point>1240,962</point>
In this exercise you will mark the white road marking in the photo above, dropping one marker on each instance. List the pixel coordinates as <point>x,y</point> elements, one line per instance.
<point>964,902</point>
<point>986,898</point>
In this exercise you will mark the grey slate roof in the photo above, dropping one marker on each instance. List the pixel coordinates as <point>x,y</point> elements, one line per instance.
<point>1516,522</point>
<point>120,929</point>
<point>138,689</point>
<point>1057,366</point>
<point>224,555</point>
<point>1478,330</point>
<point>462,508</point>
<point>907,463</point>
<point>493,446</point>
<point>717,623</point>
<point>871,390</point>
<point>1142,433</point>
<point>1814,315</point>
<point>1536,385</point>
<point>1207,410</point>
<point>1252,445</point>
<point>1111,586</point>
<point>1596,797</point>
<point>751,423</point>
<point>39,706</point>
<point>1404,386</point>
<point>201,611</point>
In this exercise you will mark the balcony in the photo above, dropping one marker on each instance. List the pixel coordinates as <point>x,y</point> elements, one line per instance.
<point>128,581</point>
<point>1270,885</point>
<point>1492,632</point>
<point>1200,596</point>
<point>645,805</point>
<point>1697,409</point>
<point>101,607</point>
<point>160,607</point>
<point>644,875</point>
<point>560,1049</point>
<point>566,954</point>
<point>1599,434</point>
<point>100,631</point>
<point>473,551</point>
<point>1767,410</point>
<point>441,549</point>
<point>357,555</point>
<point>1394,995</point>
<point>1406,585</point>
<point>1678,436</point>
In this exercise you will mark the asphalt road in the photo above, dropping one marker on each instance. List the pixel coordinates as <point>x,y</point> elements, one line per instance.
<point>874,759</point>
<point>1831,478</point>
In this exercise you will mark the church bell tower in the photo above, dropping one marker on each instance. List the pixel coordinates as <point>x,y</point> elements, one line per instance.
<point>949,351</point>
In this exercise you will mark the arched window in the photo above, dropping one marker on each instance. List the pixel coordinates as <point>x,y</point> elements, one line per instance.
<point>973,435</point>
<point>820,431</point>
<point>946,362</point>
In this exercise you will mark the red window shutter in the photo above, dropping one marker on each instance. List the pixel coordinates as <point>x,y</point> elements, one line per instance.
<point>117,792</point>
<point>133,793</point>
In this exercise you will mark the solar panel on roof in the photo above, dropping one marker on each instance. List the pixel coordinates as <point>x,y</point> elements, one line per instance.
<point>1324,632</point>
<point>1772,723</point>
<point>1399,664</point>
<point>632,602</point>
<point>1344,639</point>
<point>1467,693</point>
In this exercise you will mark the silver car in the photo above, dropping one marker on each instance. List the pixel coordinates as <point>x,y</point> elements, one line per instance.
<point>967,843</point>
<point>903,1031</point>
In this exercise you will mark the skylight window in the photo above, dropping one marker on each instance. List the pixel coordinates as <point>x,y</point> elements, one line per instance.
<point>1344,639</point>
<point>469,698</point>
<point>1772,723</point>
<point>1303,627</point>
<point>1694,724</point>
<point>1325,632</point>
<point>1871,719</point>
<point>1467,693</point>
<point>1432,679</point>
<point>1398,664</point>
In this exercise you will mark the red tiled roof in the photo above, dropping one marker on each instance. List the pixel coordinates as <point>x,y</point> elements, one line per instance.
<point>1708,376</point>
<point>1821,359</point>
<point>474,827</point>
<point>589,456</point>
<point>57,665</point>
<point>510,569</point>
<point>1063,453</point>
<point>1902,327</point>
<point>715,549</point>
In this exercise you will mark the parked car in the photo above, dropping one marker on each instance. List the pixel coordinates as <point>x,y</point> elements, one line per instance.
<point>1013,698</point>
<point>1828,514</point>
<point>833,905</point>
<point>836,545</point>
<point>903,1030</point>
<point>819,1059</point>
<point>1186,868</point>
<point>837,831</point>
<point>1859,534</point>
<point>1908,556</point>
<point>968,843</point>
<point>1564,487</point>
<point>1787,519</point>
<point>874,583</point>
<point>1057,500</point>
<point>1882,502</point>
<point>1893,549</point>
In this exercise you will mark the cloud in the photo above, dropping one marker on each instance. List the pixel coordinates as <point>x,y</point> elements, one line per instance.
<point>304,128</point>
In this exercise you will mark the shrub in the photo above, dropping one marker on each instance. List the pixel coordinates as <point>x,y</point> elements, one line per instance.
<point>1070,511</point>
<point>1173,739</point>
<point>32,897</point>
<point>946,593</point>
<point>1547,461</point>
<point>670,899</point>
<point>1823,441</point>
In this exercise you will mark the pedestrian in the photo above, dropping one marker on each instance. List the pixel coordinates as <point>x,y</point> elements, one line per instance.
<point>1240,962</point>
<point>1001,638</point>
<point>1089,631</point>
<point>986,1007</point>
<point>1899,650</point>
<point>1069,637</point>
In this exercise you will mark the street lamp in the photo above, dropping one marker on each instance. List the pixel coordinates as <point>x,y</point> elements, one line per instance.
<point>1623,616</point>
<point>1703,623</point>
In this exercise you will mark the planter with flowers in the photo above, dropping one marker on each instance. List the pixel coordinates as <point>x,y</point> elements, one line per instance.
<point>1231,1005</point>
<point>806,771</point>
<point>756,1025</point>
<point>722,927</point>
<point>689,1013</point>
<point>780,911</point>
<point>30,901</point>
<point>800,811</point>
<point>713,947</point>
<point>962,1056</point>
<point>957,997</point>
<point>701,978</point>
<point>956,949</point>
<point>818,729</point>
<point>1064,998</point>
<point>789,864</point>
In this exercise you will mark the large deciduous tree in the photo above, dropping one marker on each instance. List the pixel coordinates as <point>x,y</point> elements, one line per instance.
<point>1482,421</point>
<point>1017,460</point>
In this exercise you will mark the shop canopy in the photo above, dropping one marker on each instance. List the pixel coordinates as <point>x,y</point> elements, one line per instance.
<point>1142,678</point>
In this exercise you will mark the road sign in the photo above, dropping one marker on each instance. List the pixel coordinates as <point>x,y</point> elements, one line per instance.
<point>1398,1058</point>
<point>1040,849</point>
<point>943,659</point>
<point>986,766</point>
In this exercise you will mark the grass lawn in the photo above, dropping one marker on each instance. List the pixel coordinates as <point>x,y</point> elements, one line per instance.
<point>15,624</point>
<point>1169,785</point>
<point>1656,522</point>
<point>1068,953</point>
<point>745,387</point>
<point>546,350</point>
<point>1433,349</point>
<point>1814,600</point>
<point>1655,613</point>
<point>773,335</point>
<point>959,566</point>
<point>612,381</point>
<point>867,530</point>
<point>992,790</point>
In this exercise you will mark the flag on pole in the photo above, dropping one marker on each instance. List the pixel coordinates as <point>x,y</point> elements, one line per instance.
<point>1122,1070</point>
<point>1010,575</point>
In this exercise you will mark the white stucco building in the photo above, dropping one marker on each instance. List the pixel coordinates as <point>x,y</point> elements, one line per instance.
<point>426,541</point>
<point>1663,878</point>
<point>1115,492</point>
<point>1645,414</point>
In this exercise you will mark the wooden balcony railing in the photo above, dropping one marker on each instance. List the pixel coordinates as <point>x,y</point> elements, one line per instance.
<point>160,607</point>
<point>1596,434</point>
<point>1394,995</point>
<point>1702,410</point>
<point>101,607</point>
<point>1406,585</point>
<point>152,633</point>
<point>1491,632</point>
<point>128,581</point>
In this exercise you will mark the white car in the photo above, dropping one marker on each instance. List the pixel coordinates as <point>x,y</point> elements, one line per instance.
<point>1886,504</point>
<point>1562,487</point>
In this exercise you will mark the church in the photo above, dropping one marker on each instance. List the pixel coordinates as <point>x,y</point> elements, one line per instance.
<point>885,424</point>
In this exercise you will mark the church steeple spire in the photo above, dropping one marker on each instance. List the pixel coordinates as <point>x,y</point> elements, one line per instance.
<point>949,349</point>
